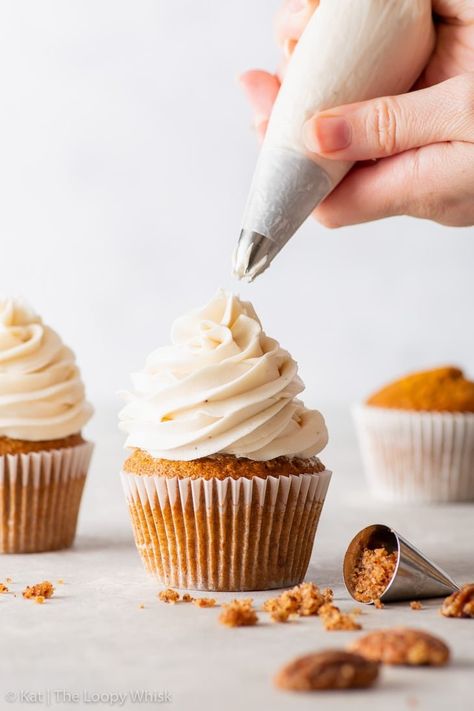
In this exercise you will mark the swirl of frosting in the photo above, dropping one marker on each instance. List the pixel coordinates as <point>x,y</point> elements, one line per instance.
<point>41,393</point>
<point>223,386</point>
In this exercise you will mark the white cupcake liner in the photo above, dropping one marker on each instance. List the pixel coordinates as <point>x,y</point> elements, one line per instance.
<point>417,456</point>
<point>40,495</point>
<point>230,534</point>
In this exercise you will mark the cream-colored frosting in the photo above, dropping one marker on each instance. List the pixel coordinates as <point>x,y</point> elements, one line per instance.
<point>222,387</point>
<point>41,392</point>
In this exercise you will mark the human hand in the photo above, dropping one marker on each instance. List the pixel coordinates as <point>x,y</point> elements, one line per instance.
<point>423,141</point>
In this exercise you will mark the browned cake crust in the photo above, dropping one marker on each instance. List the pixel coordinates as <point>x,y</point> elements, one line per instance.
<point>439,390</point>
<point>21,446</point>
<point>219,467</point>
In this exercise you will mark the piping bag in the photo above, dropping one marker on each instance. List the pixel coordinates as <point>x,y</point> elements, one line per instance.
<point>351,50</point>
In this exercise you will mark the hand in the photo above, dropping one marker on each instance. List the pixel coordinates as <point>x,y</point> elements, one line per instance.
<point>423,141</point>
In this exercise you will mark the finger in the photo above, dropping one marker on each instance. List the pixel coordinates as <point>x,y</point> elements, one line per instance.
<point>367,193</point>
<point>389,125</point>
<point>456,12</point>
<point>292,18</point>
<point>431,182</point>
<point>261,89</point>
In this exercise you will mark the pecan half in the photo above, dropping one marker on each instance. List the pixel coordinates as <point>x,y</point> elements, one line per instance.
<point>402,646</point>
<point>460,603</point>
<point>330,669</point>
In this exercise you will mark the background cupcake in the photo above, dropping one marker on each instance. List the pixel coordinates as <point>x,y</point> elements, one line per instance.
<point>223,484</point>
<point>417,437</point>
<point>43,456</point>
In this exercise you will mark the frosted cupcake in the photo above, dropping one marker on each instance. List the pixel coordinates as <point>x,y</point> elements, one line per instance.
<point>223,483</point>
<point>43,456</point>
<point>417,437</point>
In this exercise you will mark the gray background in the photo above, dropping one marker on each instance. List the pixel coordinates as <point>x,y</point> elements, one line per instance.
<point>126,151</point>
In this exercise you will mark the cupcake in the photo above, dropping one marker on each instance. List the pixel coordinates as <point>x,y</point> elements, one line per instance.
<point>43,456</point>
<point>417,437</point>
<point>223,484</point>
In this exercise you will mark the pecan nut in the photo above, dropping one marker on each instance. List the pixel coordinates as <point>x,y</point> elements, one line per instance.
<point>460,603</point>
<point>330,669</point>
<point>402,646</point>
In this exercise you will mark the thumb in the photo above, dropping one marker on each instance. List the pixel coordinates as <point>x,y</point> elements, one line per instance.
<point>392,124</point>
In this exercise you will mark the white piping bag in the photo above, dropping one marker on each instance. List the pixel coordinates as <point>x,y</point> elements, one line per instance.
<point>351,50</point>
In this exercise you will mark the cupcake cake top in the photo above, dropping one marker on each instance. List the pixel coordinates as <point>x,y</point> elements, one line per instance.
<point>222,387</point>
<point>41,392</point>
<point>439,390</point>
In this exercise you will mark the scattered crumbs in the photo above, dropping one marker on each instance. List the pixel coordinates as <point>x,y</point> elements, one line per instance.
<point>39,599</point>
<point>187,597</point>
<point>416,605</point>
<point>3,588</point>
<point>303,600</point>
<point>238,613</point>
<point>335,620</point>
<point>8,580</point>
<point>170,596</point>
<point>378,604</point>
<point>141,606</point>
<point>203,601</point>
<point>44,590</point>
<point>356,611</point>
<point>60,581</point>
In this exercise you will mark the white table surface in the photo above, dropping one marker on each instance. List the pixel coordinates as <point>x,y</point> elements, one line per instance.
<point>93,638</point>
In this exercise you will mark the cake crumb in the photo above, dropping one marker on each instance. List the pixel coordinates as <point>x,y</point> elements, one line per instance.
<point>204,601</point>
<point>169,596</point>
<point>44,590</point>
<point>141,606</point>
<point>378,604</point>
<point>39,599</point>
<point>335,620</point>
<point>416,605</point>
<point>279,614</point>
<point>8,580</point>
<point>60,581</point>
<point>187,597</point>
<point>373,573</point>
<point>303,600</point>
<point>238,613</point>
<point>3,588</point>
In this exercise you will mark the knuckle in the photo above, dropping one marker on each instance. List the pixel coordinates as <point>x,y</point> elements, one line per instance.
<point>383,122</point>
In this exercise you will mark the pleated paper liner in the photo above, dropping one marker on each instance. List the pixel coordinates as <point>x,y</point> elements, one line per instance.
<point>417,456</point>
<point>231,534</point>
<point>40,495</point>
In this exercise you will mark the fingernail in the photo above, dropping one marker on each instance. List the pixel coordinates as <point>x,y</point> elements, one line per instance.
<point>326,134</point>
<point>289,47</point>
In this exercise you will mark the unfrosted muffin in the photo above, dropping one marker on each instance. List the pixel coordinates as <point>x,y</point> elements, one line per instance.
<point>43,456</point>
<point>417,437</point>
<point>223,483</point>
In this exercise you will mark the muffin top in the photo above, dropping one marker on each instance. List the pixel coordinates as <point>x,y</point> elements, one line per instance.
<point>219,466</point>
<point>223,386</point>
<point>41,392</point>
<point>439,390</point>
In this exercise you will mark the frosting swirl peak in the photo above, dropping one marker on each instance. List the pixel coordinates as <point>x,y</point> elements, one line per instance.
<point>41,392</point>
<point>223,386</point>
